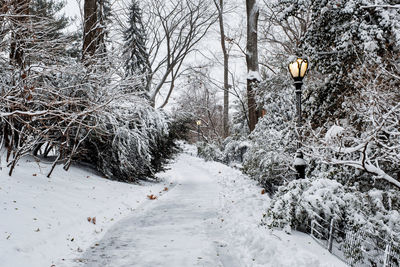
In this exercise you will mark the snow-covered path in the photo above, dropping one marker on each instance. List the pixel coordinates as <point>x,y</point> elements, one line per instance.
<point>178,229</point>
<point>209,217</point>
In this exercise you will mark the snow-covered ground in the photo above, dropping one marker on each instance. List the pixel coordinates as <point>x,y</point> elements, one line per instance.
<point>44,220</point>
<point>208,216</point>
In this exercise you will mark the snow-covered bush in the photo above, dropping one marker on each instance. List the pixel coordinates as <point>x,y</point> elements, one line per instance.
<point>231,151</point>
<point>270,157</point>
<point>166,146</point>
<point>298,202</point>
<point>128,134</point>
<point>234,149</point>
<point>69,110</point>
<point>371,223</point>
<point>375,212</point>
<point>209,151</point>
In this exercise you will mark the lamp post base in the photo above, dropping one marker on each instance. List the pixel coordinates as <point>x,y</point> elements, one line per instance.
<point>300,165</point>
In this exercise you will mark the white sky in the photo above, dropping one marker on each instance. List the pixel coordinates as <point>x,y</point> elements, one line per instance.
<point>72,8</point>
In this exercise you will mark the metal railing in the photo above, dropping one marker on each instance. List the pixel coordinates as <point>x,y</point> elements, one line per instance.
<point>356,248</point>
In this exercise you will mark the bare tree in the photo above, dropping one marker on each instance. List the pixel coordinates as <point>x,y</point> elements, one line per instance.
<point>283,34</point>
<point>175,28</point>
<point>253,77</point>
<point>200,102</point>
<point>220,9</point>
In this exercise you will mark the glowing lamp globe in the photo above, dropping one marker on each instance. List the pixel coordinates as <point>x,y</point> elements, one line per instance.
<point>298,69</point>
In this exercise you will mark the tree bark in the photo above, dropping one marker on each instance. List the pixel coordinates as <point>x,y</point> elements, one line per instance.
<point>252,61</point>
<point>89,31</point>
<point>220,8</point>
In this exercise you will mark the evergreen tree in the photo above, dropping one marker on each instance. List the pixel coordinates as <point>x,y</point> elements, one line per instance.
<point>346,37</point>
<point>103,16</point>
<point>137,57</point>
<point>49,9</point>
<point>343,38</point>
<point>51,22</point>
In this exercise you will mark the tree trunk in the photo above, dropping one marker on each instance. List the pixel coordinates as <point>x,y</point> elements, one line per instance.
<point>220,9</point>
<point>253,77</point>
<point>89,32</point>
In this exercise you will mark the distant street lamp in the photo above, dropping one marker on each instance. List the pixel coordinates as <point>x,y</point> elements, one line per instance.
<point>198,130</point>
<point>298,70</point>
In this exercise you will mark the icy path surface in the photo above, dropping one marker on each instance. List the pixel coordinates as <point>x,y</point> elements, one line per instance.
<point>180,228</point>
<point>209,217</point>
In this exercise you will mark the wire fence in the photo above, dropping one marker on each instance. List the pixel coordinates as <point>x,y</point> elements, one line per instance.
<point>356,248</point>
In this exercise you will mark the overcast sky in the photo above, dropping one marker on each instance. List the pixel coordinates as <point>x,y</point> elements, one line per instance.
<point>72,8</point>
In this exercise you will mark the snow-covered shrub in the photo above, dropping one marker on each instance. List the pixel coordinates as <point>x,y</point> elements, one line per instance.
<point>127,134</point>
<point>372,222</point>
<point>209,151</point>
<point>367,220</point>
<point>166,145</point>
<point>300,201</point>
<point>77,112</point>
<point>270,157</point>
<point>234,149</point>
<point>351,119</point>
<point>375,212</point>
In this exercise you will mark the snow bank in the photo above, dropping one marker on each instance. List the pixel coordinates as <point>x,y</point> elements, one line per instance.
<point>242,208</point>
<point>45,220</point>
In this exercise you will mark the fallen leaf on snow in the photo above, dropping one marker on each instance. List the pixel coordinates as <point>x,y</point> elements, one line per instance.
<point>263,192</point>
<point>151,197</point>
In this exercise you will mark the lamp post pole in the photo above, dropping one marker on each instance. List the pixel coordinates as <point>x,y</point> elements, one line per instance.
<point>198,130</point>
<point>298,91</point>
<point>298,70</point>
<point>299,162</point>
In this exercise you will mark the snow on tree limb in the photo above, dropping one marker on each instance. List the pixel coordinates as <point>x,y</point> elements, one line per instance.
<point>383,6</point>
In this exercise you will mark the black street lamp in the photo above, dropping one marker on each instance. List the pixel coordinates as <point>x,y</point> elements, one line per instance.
<point>298,70</point>
<point>198,130</point>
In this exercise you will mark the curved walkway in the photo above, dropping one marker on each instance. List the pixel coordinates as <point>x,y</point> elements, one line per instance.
<point>179,228</point>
